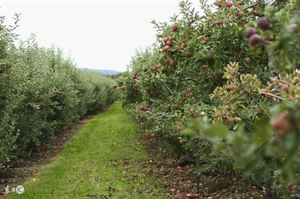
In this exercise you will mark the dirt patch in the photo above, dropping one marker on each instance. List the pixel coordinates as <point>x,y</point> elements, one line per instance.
<point>182,181</point>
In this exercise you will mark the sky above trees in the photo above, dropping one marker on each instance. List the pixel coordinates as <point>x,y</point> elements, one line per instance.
<point>98,34</point>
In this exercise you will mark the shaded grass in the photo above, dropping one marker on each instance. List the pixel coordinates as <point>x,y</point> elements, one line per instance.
<point>103,160</point>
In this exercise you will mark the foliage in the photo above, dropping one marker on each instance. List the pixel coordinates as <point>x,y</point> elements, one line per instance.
<point>41,93</point>
<point>238,83</point>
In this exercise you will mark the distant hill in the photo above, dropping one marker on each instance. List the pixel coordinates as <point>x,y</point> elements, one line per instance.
<point>102,71</point>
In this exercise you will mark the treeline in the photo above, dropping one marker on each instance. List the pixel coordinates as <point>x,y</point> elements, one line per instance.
<point>41,93</point>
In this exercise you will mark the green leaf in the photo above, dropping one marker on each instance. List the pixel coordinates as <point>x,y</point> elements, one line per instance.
<point>263,131</point>
<point>188,132</point>
<point>196,125</point>
<point>217,129</point>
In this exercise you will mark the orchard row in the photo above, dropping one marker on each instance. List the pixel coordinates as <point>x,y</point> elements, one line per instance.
<point>224,88</point>
<point>41,94</point>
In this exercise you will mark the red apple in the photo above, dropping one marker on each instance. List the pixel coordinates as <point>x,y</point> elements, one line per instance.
<point>174,28</point>
<point>250,31</point>
<point>254,39</point>
<point>281,124</point>
<point>165,48</point>
<point>263,23</point>
<point>165,39</point>
<point>231,87</point>
<point>218,22</point>
<point>229,4</point>
<point>229,121</point>
<point>286,88</point>
<point>169,42</point>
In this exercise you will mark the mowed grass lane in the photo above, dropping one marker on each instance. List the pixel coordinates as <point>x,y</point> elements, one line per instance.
<point>103,160</point>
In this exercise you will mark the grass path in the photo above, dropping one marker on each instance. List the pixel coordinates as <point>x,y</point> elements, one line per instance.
<point>103,160</point>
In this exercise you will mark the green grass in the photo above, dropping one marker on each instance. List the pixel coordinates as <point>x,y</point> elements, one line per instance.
<point>103,160</point>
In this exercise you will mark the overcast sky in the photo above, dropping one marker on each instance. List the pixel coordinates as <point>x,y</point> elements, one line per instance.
<point>100,34</point>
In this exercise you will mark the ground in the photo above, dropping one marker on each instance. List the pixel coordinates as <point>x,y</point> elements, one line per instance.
<point>105,156</point>
<point>102,160</point>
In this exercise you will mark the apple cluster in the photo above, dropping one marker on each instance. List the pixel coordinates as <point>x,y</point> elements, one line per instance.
<point>251,32</point>
<point>167,43</point>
